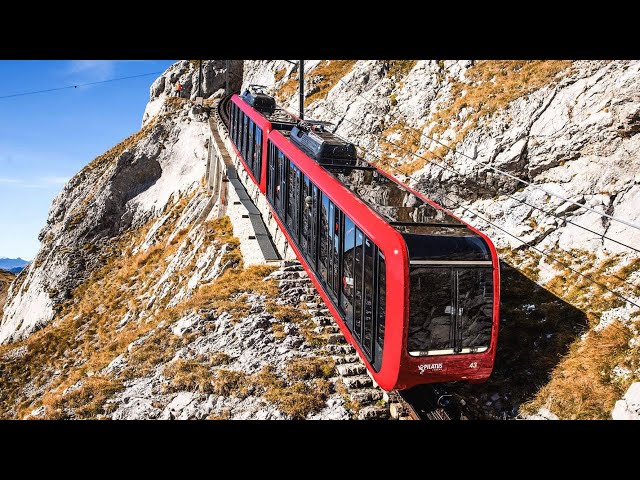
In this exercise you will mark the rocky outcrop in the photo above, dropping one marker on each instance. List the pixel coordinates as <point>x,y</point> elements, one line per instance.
<point>214,77</point>
<point>125,283</point>
<point>574,136</point>
<point>118,191</point>
<point>629,407</point>
<point>569,129</point>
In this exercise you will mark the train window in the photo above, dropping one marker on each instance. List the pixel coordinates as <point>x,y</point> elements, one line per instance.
<point>333,264</point>
<point>235,126</point>
<point>245,135</point>
<point>233,123</point>
<point>382,304</point>
<point>258,154</point>
<point>306,223</point>
<point>250,146</point>
<point>271,164</point>
<point>450,310</point>
<point>368,279</point>
<point>240,123</point>
<point>293,199</point>
<point>332,226</point>
<point>337,224</point>
<point>278,187</point>
<point>323,249</point>
<point>315,198</point>
<point>475,305</point>
<point>357,291</point>
<point>348,250</point>
<point>238,131</point>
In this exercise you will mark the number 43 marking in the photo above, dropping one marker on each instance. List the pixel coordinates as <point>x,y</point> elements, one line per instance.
<point>473,365</point>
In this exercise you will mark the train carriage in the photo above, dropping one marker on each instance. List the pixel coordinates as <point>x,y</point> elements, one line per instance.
<point>413,288</point>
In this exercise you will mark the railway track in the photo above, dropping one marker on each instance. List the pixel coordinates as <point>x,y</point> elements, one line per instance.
<point>427,402</point>
<point>223,109</point>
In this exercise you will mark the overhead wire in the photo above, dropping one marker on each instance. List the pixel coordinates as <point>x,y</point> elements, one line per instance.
<point>22,94</point>
<point>501,172</point>
<point>522,202</point>
<point>543,253</point>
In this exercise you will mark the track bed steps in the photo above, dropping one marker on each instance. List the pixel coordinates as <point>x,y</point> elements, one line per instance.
<point>359,381</point>
<point>373,412</point>
<point>351,369</point>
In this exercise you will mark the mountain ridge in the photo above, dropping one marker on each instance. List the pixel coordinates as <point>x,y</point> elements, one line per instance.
<point>123,298</point>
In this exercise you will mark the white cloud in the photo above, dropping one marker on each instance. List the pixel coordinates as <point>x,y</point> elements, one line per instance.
<point>92,70</point>
<point>42,182</point>
<point>55,180</point>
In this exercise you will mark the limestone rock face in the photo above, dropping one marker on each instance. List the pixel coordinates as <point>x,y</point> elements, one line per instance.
<point>116,192</point>
<point>186,72</point>
<point>568,130</point>
<point>629,407</point>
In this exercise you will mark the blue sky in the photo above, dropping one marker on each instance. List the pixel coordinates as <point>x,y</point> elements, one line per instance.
<point>46,138</point>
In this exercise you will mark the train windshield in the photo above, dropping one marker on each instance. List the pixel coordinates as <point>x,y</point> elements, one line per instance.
<point>450,309</point>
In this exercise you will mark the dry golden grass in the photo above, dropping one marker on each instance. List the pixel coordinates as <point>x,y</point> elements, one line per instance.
<point>328,73</point>
<point>298,399</point>
<point>84,402</point>
<point>278,331</point>
<point>6,278</point>
<point>85,336</point>
<point>159,347</point>
<point>492,85</point>
<point>398,69</point>
<point>349,404</point>
<point>218,358</point>
<point>288,88</point>
<point>279,75</point>
<point>230,382</point>
<point>228,292</point>
<point>581,386</point>
<point>190,375</point>
<point>286,313</point>
<point>305,368</point>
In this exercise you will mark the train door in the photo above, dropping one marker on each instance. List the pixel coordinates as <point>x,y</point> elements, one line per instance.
<point>380,308</point>
<point>278,190</point>
<point>293,200</point>
<point>450,310</point>
<point>348,273</point>
<point>309,206</point>
<point>323,238</point>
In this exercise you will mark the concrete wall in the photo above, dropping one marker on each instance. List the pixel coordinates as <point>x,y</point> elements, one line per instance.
<point>259,200</point>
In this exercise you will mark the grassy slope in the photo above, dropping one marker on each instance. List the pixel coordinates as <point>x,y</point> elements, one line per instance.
<point>5,280</point>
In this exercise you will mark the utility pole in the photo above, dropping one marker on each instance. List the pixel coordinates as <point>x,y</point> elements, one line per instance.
<point>301,81</point>
<point>226,77</point>
<point>200,79</point>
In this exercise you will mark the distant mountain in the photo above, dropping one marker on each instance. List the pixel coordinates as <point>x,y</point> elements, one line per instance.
<point>14,265</point>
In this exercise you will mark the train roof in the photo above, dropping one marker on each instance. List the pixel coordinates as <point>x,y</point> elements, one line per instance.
<point>266,105</point>
<point>324,147</point>
<point>430,233</point>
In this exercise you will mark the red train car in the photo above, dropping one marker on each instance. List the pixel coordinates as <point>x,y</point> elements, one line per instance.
<point>413,288</point>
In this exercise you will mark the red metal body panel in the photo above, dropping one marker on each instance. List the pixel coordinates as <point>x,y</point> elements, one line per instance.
<point>454,367</point>
<point>398,369</point>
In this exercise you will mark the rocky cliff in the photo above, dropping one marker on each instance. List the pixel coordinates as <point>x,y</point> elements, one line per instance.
<point>568,129</point>
<point>138,306</point>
